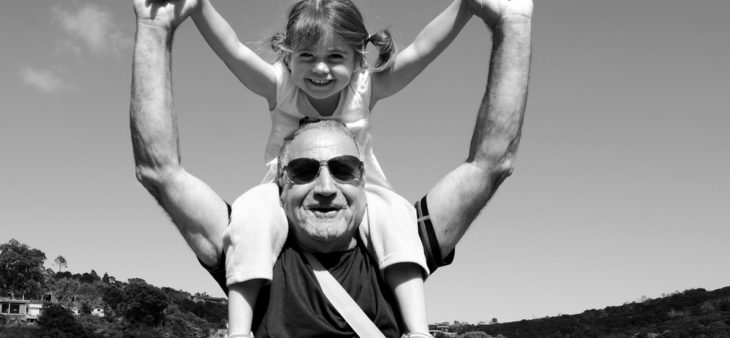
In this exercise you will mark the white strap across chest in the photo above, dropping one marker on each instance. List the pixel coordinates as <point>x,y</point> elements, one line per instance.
<point>342,301</point>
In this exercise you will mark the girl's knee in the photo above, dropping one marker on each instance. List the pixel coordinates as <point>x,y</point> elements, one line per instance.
<point>257,196</point>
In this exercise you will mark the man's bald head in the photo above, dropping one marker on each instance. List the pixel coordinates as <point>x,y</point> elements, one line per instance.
<point>331,125</point>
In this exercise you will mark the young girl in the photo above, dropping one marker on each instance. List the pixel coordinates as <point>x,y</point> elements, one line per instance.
<point>322,73</point>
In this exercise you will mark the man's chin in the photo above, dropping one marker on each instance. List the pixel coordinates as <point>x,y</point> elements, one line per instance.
<point>329,234</point>
<point>326,229</point>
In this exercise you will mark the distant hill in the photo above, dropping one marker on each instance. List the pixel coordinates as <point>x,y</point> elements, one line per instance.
<point>692,313</point>
<point>89,305</point>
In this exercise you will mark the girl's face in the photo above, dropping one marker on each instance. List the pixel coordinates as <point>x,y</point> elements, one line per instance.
<point>323,69</point>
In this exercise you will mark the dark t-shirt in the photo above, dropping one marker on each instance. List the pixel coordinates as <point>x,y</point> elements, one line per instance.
<point>293,304</point>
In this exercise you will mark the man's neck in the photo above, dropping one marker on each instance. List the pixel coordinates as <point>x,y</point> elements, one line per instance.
<point>326,247</point>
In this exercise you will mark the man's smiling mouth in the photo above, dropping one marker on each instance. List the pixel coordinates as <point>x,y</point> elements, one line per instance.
<point>324,211</point>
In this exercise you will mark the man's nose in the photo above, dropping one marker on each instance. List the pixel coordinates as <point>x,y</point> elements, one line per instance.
<point>324,185</point>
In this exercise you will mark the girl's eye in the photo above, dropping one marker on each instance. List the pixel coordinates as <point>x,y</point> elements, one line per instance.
<point>336,57</point>
<point>305,55</point>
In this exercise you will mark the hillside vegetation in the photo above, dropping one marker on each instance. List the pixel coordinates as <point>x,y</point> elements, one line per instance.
<point>89,305</point>
<point>692,313</point>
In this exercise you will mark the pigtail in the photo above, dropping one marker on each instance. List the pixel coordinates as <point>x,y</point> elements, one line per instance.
<point>278,44</point>
<point>387,49</point>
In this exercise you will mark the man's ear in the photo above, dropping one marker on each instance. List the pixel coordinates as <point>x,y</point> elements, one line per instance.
<point>280,185</point>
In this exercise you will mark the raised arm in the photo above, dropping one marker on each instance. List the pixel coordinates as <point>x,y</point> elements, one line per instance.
<point>253,71</point>
<point>458,198</point>
<point>429,43</point>
<point>199,214</point>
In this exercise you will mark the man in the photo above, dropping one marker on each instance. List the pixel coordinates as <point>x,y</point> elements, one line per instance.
<point>445,212</point>
<point>322,192</point>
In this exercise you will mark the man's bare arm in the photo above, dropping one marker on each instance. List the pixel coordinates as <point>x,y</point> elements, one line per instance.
<point>458,198</point>
<point>197,211</point>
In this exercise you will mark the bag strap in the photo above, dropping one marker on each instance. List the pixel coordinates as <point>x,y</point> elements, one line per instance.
<point>342,301</point>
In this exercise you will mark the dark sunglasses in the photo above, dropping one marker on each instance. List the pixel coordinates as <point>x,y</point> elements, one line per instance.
<point>346,169</point>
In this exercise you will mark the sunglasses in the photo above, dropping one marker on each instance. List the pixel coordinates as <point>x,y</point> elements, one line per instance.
<point>346,169</point>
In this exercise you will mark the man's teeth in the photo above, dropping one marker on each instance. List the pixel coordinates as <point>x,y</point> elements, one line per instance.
<point>323,211</point>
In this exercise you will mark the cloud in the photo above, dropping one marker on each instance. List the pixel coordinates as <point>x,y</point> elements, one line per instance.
<point>44,80</point>
<point>92,27</point>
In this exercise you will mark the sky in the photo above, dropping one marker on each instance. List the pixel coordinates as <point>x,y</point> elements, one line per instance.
<point>620,189</point>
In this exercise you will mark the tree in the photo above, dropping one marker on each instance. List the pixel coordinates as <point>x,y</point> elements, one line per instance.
<point>64,274</point>
<point>136,281</point>
<point>57,321</point>
<point>21,269</point>
<point>144,304</point>
<point>211,312</point>
<point>35,289</point>
<point>91,294</point>
<point>113,297</point>
<point>66,290</point>
<point>90,277</point>
<point>60,262</point>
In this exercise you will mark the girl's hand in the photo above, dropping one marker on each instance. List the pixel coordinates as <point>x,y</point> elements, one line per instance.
<point>496,12</point>
<point>164,13</point>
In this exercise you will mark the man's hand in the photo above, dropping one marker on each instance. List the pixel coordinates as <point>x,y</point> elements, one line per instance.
<point>163,13</point>
<point>496,12</point>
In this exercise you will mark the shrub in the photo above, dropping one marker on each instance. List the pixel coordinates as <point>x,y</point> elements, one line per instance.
<point>57,321</point>
<point>144,304</point>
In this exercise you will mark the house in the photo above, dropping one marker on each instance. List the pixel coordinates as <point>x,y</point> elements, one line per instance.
<point>13,307</point>
<point>209,299</point>
<point>33,311</point>
<point>443,329</point>
<point>98,312</point>
<point>21,308</point>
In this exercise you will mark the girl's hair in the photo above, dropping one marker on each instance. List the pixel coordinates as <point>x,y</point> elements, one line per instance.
<point>310,20</point>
